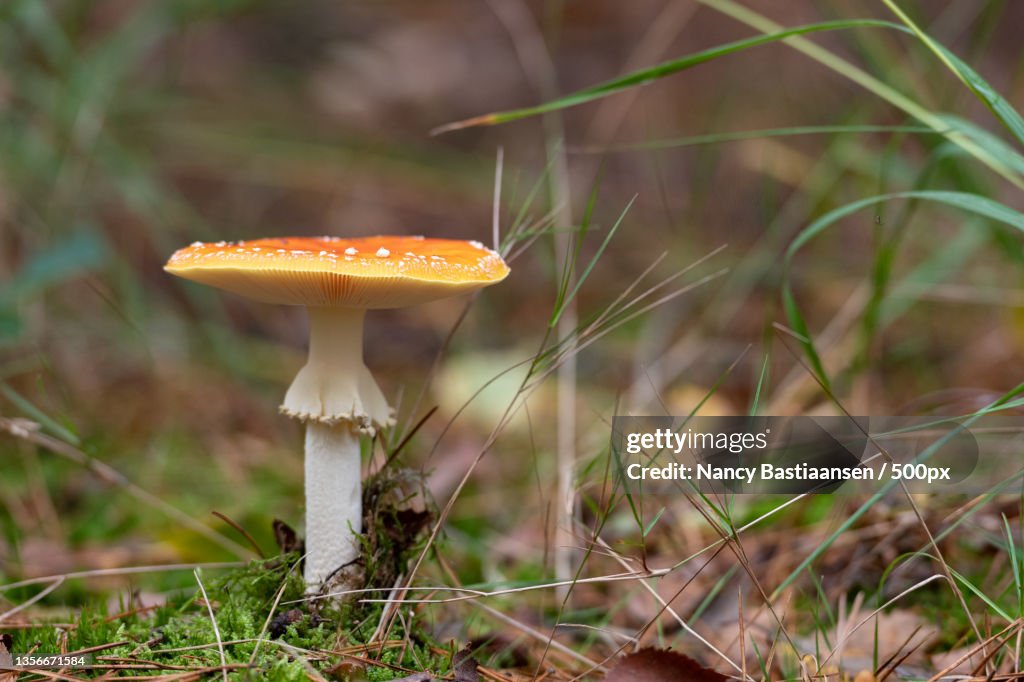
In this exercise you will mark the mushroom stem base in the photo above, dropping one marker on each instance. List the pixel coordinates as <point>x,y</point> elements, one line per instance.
<point>334,500</point>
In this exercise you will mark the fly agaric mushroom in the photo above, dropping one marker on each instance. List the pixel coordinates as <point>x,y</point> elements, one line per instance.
<point>334,394</point>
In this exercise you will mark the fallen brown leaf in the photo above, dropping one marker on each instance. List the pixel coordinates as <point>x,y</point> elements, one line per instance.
<point>287,539</point>
<point>6,660</point>
<point>661,665</point>
<point>465,667</point>
<point>347,670</point>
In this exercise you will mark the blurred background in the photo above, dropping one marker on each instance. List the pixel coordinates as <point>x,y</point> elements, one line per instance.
<point>129,129</point>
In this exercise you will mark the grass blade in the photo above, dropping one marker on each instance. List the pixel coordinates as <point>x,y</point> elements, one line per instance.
<point>37,415</point>
<point>869,82</point>
<point>988,95</point>
<point>760,386</point>
<point>1011,547</point>
<point>653,73</point>
<point>992,144</point>
<point>590,266</point>
<point>970,203</point>
<point>880,494</point>
<point>742,135</point>
<point>984,597</point>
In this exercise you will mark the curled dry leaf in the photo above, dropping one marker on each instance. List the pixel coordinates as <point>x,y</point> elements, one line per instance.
<point>661,665</point>
<point>349,670</point>
<point>465,666</point>
<point>6,660</point>
<point>287,539</point>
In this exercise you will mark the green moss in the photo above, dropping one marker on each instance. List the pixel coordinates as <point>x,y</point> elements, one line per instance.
<point>181,633</point>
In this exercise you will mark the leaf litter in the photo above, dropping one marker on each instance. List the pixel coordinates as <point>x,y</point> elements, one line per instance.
<point>661,665</point>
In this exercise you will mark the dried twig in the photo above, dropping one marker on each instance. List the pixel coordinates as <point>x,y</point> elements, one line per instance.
<point>106,572</point>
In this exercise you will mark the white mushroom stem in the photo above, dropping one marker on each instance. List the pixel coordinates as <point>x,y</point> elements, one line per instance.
<point>338,399</point>
<point>334,385</point>
<point>334,502</point>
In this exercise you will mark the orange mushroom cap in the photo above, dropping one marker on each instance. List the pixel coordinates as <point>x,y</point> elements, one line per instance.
<point>365,272</point>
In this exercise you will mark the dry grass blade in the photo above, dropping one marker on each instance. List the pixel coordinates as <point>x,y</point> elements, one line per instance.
<point>50,675</point>
<point>947,572</point>
<point>385,615</point>
<point>675,615</point>
<point>106,572</point>
<point>248,537</point>
<point>743,631</point>
<point>731,539</point>
<point>408,437</point>
<point>838,646</point>
<point>1009,629</point>
<point>99,647</point>
<point>499,167</point>
<point>35,599</point>
<point>186,674</point>
<point>610,326</point>
<point>548,640</point>
<point>270,615</point>
<point>469,594</point>
<point>611,310</point>
<point>216,629</point>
